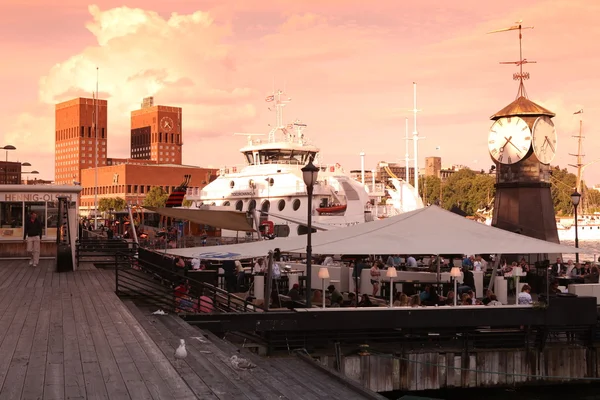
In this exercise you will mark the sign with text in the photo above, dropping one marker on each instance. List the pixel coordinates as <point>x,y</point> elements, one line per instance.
<point>33,197</point>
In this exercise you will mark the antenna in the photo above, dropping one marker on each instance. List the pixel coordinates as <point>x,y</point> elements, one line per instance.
<point>250,142</point>
<point>279,104</point>
<point>521,76</point>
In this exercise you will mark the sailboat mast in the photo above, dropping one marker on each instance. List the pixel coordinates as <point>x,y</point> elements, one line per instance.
<point>579,156</point>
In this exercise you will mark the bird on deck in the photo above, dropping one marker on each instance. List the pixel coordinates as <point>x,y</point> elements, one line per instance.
<point>181,352</point>
<point>241,363</point>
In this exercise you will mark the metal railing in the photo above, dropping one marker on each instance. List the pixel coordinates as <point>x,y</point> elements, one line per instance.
<point>100,250</point>
<point>152,284</point>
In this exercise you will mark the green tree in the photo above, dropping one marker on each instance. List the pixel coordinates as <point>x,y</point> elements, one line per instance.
<point>468,190</point>
<point>116,203</point>
<point>563,184</point>
<point>156,197</point>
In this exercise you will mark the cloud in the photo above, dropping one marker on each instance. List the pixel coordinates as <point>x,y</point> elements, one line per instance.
<point>347,65</point>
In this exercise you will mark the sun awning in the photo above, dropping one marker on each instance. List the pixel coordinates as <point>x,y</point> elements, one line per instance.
<point>429,230</point>
<point>222,219</point>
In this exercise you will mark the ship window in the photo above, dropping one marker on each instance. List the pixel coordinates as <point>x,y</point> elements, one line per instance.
<point>231,184</point>
<point>271,181</point>
<point>296,204</point>
<point>282,230</point>
<point>281,205</point>
<point>266,206</point>
<point>239,205</point>
<point>226,204</point>
<point>252,205</point>
<point>249,157</point>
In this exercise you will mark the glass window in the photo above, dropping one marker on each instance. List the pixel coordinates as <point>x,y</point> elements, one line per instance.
<point>11,215</point>
<point>40,210</point>
<point>52,218</point>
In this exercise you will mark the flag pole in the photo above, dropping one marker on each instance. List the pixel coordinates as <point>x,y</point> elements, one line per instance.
<point>96,155</point>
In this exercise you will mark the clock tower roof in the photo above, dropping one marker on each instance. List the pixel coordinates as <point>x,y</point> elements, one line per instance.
<point>522,107</point>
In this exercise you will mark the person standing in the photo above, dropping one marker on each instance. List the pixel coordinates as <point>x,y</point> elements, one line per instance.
<point>33,235</point>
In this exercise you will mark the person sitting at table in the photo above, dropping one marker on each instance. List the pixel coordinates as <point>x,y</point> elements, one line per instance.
<point>411,262</point>
<point>593,276</point>
<point>365,301</point>
<point>294,293</point>
<point>448,300</point>
<point>494,301</point>
<point>488,297</point>
<point>525,295</point>
<point>352,299</point>
<point>433,299</point>
<point>375,275</point>
<point>554,288</point>
<point>577,271</point>
<point>334,294</point>
<point>558,268</point>
<point>415,301</point>
<point>468,282</point>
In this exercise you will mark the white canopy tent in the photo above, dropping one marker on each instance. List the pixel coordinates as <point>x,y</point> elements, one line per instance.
<point>430,230</point>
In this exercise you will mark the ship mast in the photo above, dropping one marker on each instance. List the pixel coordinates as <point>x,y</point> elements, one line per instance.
<point>579,165</point>
<point>279,104</point>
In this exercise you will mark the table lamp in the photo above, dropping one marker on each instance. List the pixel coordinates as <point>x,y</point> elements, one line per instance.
<point>323,274</point>
<point>455,273</point>
<point>391,273</point>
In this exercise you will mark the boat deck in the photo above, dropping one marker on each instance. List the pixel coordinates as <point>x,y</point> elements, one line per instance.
<point>68,336</point>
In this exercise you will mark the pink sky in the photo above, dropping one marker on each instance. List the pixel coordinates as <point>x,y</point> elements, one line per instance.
<point>347,64</point>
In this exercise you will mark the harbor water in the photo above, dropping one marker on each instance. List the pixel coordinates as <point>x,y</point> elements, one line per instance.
<point>592,250</point>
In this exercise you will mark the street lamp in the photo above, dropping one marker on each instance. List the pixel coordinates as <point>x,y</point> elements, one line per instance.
<point>7,148</point>
<point>575,197</point>
<point>309,173</point>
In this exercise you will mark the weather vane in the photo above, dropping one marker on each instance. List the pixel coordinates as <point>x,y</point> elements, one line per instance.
<point>520,76</point>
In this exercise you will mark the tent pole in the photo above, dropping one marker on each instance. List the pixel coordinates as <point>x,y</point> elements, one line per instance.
<point>269,282</point>
<point>494,269</point>
<point>439,275</point>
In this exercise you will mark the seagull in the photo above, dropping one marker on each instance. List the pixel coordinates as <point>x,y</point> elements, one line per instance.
<point>181,352</point>
<point>241,363</point>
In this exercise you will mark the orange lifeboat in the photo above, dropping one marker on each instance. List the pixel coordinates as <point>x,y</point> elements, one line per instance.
<point>332,209</point>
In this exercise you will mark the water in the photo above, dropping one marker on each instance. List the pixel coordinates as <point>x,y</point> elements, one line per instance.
<point>592,252</point>
<point>562,392</point>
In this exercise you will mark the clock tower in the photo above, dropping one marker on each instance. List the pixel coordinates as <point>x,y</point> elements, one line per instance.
<point>522,142</point>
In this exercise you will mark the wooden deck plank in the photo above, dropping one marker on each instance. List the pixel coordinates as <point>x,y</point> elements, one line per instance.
<point>158,388</point>
<point>74,379</point>
<point>220,358</point>
<point>34,379</point>
<point>92,373</point>
<point>16,347</point>
<point>132,377</point>
<point>15,275</point>
<point>180,389</point>
<point>31,282</point>
<point>54,383</point>
<point>195,373</point>
<point>115,385</point>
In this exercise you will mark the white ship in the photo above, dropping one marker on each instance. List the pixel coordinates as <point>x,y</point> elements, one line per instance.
<point>270,185</point>
<point>588,228</point>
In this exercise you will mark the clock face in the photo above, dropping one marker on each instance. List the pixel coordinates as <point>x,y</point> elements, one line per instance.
<point>166,123</point>
<point>544,139</point>
<point>509,140</point>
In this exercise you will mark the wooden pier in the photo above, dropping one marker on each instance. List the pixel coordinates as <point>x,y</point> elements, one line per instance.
<point>68,336</point>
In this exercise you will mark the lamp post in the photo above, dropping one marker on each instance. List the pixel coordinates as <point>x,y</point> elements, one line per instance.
<point>323,274</point>
<point>575,197</point>
<point>455,274</point>
<point>391,273</point>
<point>309,173</point>
<point>7,148</point>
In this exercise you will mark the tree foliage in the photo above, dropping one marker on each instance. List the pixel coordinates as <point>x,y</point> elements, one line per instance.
<point>116,203</point>
<point>465,189</point>
<point>156,197</point>
<point>469,191</point>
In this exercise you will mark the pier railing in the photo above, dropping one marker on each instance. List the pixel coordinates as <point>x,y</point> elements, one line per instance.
<point>102,251</point>
<point>155,285</point>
